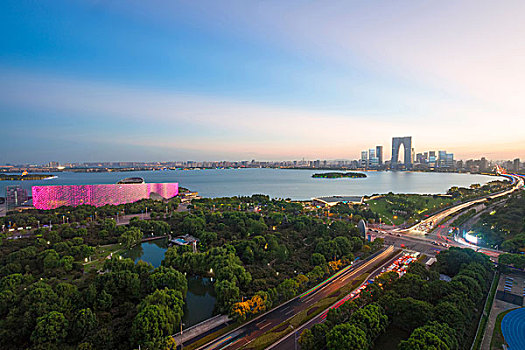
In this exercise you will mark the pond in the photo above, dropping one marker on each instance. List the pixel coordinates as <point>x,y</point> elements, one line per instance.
<point>200,299</point>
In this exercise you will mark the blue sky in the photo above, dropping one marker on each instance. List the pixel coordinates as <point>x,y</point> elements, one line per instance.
<point>175,80</point>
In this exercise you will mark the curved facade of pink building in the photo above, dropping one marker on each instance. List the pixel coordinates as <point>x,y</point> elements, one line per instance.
<point>51,197</point>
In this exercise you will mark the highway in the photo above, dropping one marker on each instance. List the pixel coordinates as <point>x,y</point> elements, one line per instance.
<point>248,332</point>
<point>290,341</point>
<point>420,239</point>
<point>423,226</point>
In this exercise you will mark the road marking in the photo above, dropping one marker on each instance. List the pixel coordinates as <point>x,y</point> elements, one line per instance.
<point>307,300</point>
<point>347,277</point>
<point>266,325</point>
<point>289,312</point>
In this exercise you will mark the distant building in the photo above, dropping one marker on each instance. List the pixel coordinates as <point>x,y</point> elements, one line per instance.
<point>442,159</point>
<point>449,161</point>
<point>483,164</point>
<point>432,159</point>
<point>364,159</point>
<point>516,164</point>
<point>397,142</point>
<point>15,196</point>
<point>373,160</point>
<point>445,160</point>
<point>379,154</point>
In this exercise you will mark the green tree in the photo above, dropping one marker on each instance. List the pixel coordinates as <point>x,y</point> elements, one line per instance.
<point>371,320</point>
<point>318,259</point>
<point>131,237</point>
<point>227,294</point>
<point>446,312</point>
<point>168,277</point>
<point>152,325</point>
<point>307,340</point>
<point>84,323</point>
<point>346,336</point>
<point>193,224</point>
<point>434,336</point>
<point>410,313</point>
<point>67,263</point>
<point>288,289</point>
<point>170,298</point>
<point>50,328</point>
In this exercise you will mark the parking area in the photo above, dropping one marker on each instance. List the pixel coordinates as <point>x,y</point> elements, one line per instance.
<point>511,289</point>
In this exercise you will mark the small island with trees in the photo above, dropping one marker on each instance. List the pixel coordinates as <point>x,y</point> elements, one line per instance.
<point>337,175</point>
<point>23,177</point>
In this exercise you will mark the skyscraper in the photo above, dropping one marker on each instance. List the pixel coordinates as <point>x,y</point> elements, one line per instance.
<point>483,164</point>
<point>373,161</point>
<point>442,159</point>
<point>364,159</point>
<point>449,162</point>
<point>379,154</point>
<point>432,159</point>
<point>397,142</point>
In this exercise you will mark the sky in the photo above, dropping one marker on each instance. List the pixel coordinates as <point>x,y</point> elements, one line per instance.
<point>134,80</point>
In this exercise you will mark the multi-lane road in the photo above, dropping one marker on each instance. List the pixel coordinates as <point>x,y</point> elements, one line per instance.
<point>289,341</point>
<point>250,331</point>
<point>431,221</point>
<point>432,234</point>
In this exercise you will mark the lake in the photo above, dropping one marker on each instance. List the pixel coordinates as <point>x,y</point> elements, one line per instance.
<point>277,183</point>
<point>200,299</point>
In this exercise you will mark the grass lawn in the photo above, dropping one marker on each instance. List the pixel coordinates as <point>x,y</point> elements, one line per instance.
<point>390,208</point>
<point>101,252</point>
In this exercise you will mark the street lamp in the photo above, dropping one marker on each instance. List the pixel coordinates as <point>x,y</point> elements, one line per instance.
<point>181,342</point>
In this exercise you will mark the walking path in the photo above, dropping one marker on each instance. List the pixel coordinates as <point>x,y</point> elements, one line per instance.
<point>198,329</point>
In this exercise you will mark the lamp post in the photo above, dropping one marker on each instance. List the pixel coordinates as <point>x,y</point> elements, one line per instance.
<point>181,342</point>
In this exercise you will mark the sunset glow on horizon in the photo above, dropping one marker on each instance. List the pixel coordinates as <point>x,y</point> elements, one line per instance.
<point>207,80</point>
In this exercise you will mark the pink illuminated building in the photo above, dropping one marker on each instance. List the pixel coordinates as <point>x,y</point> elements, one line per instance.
<point>50,197</point>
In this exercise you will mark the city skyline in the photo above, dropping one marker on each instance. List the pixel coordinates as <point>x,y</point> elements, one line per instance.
<point>374,157</point>
<point>97,81</point>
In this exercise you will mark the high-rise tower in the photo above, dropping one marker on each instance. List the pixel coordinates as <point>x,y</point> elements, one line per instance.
<point>407,146</point>
<point>379,154</point>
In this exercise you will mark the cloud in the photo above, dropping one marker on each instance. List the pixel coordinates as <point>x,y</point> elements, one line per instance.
<point>177,123</point>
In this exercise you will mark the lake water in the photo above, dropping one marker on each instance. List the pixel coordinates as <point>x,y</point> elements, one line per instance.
<point>200,299</point>
<point>277,183</point>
